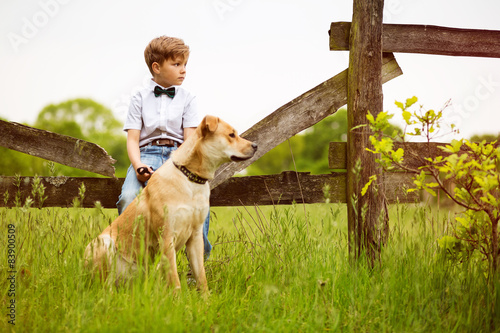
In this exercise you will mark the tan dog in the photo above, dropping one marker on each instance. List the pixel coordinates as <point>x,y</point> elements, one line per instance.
<point>170,211</point>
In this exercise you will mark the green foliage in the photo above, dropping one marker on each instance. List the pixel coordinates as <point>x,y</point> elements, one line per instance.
<point>474,169</point>
<point>80,118</point>
<point>367,185</point>
<point>309,148</point>
<point>78,202</point>
<point>38,191</point>
<point>485,137</point>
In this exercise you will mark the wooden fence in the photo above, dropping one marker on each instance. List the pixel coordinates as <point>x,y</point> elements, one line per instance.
<point>285,188</point>
<point>295,116</point>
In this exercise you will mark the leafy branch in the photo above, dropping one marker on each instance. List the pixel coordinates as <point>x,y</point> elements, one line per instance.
<point>473,168</point>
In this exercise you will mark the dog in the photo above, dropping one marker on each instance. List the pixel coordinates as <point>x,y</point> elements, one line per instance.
<point>170,211</point>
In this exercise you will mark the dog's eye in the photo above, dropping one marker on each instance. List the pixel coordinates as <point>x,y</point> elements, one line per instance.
<point>232,135</point>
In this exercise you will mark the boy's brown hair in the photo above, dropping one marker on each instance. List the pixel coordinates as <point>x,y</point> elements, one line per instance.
<point>164,48</point>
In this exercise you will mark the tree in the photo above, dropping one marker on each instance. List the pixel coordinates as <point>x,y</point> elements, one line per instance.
<point>485,137</point>
<point>87,120</point>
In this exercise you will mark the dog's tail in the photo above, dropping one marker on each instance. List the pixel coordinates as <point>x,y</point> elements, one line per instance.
<point>98,255</point>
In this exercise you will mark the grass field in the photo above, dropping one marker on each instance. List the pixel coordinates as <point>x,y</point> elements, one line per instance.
<point>271,270</point>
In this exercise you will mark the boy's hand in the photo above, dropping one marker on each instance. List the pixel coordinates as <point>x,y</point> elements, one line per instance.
<point>143,173</point>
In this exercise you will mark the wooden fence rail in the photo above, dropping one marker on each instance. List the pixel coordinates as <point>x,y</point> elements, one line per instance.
<point>283,189</point>
<point>425,39</point>
<point>55,147</point>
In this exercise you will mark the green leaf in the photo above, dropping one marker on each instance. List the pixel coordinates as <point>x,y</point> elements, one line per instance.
<point>397,155</point>
<point>371,151</point>
<point>370,118</point>
<point>367,185</point>
<point>359,126</point>
<point>430,191</point>
<point>411,101</point>
<point>399,105</point>
<point>447,242</point>
<point>463,221</point>
<point>446,149</point>
<point>407,116</point>
<point>493,201</point>
<point>384,116</point>
<point>456,145</point>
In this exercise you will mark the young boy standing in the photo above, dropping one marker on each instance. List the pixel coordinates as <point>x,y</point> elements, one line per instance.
<point>160,117</point>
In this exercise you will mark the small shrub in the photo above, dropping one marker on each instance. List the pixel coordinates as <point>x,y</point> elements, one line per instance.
<point>474,169</point>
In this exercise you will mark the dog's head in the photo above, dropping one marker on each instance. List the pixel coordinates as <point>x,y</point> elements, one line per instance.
<point>223,142</point>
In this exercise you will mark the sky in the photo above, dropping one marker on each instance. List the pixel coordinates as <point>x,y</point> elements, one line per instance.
<point>248,57</point>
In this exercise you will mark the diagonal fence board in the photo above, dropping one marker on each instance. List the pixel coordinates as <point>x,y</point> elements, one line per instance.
<point>298,115</point>
<point>425,39</point>
<point>280,189</point>
<point>55,147</point>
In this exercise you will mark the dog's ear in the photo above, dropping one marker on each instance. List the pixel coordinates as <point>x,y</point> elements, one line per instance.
<point>209,124</point>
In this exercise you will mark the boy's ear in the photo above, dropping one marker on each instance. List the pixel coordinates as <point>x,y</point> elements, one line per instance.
<point>155,67</point>
<point>209,124</point>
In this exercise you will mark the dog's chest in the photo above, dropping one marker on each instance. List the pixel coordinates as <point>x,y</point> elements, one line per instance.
<point>188,217</point>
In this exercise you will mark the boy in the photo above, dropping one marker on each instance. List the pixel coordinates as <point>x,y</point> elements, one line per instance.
<point>160,117</point>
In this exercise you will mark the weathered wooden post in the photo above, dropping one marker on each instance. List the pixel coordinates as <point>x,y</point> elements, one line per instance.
<point>366,213</point>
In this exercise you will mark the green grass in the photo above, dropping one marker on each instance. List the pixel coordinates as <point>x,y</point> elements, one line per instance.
<point>271,270</point>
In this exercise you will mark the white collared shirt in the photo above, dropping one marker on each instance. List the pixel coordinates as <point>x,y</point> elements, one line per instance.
<point>161,117</point>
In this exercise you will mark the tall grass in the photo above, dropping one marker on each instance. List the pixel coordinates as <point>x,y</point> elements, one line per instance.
<point>271,270</point>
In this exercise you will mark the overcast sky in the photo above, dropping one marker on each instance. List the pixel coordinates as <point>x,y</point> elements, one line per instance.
<point>248,57</point>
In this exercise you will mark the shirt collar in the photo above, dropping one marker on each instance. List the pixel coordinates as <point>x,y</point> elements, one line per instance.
<point>153,84</point>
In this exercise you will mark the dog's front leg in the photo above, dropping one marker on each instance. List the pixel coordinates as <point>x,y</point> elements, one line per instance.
<point>169,263</point>
<point>194,248</point>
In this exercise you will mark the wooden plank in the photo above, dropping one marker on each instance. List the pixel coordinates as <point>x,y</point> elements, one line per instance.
<point>61,191</point>
<point>426,39</point>
<point>337,155</point>
<point>415,152</point>
<point>254,190</point>
<point>55,147</point>
<point>284,189</point>
<point>299,114</point>
<point>367,218</point>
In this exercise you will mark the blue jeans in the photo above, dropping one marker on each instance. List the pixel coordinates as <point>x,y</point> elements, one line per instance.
<point>153,156</point>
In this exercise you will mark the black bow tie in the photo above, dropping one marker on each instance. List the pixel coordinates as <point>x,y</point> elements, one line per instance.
<point>170,92</point>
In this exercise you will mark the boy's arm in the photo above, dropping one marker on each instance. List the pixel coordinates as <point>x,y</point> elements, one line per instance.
<point>134,154</point>
<point>188,131</point>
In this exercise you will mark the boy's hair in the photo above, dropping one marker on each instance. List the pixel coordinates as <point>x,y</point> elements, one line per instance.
<point>164,48</point>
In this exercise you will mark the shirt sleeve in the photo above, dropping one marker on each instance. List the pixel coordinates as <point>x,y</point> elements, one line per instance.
<point>134,116</point>
<point>191,116</point>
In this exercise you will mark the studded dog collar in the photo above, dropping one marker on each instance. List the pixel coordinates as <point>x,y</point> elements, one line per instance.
<point>191,176</point>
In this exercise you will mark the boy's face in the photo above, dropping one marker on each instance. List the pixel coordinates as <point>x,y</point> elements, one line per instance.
<point>171,72</point>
